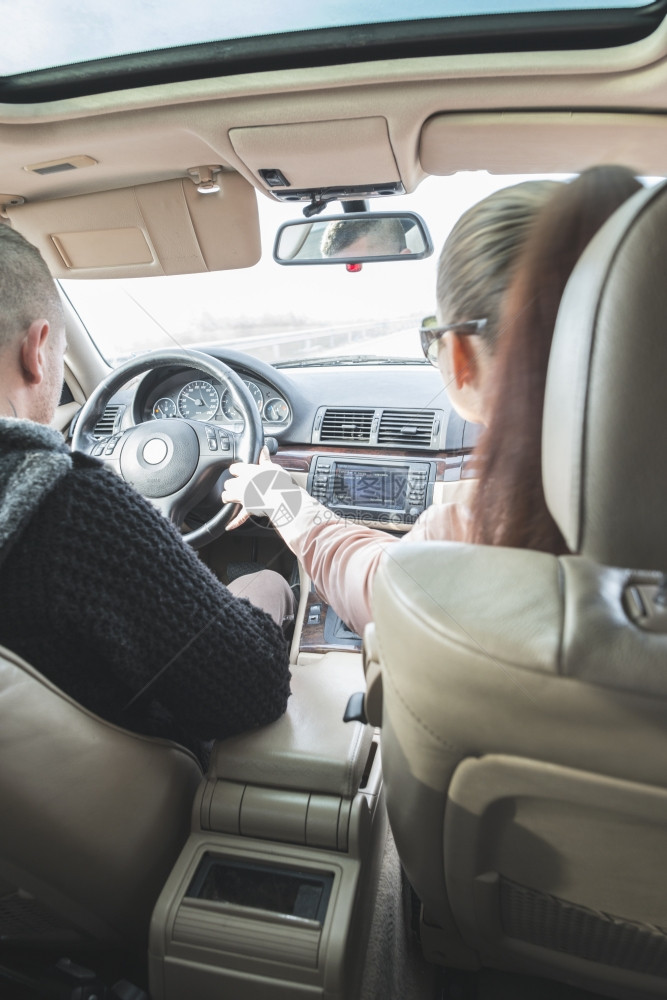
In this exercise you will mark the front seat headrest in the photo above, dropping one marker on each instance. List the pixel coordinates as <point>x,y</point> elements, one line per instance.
<point>604,444</point>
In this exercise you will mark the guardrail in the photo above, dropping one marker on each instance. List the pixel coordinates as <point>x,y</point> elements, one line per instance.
<point>322,341</point>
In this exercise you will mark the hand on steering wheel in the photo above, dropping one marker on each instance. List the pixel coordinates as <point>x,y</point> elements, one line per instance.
<point>174,463</point>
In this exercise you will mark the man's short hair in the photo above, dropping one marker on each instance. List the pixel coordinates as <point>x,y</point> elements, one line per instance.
<point>385,236</point>
<point>27,290</point>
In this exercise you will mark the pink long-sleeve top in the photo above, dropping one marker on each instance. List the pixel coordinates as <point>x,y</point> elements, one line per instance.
<point>342,557</point>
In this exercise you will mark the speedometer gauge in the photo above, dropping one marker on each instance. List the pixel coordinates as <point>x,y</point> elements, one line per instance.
<point>198,400</point>
<point>230,410</point>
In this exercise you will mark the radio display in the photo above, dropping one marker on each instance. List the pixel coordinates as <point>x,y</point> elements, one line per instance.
<point>378,488</point>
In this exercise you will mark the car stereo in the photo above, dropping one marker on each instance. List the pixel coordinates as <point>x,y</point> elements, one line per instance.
<point>393,492</point>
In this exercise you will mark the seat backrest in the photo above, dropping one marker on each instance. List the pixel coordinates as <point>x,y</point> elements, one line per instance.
<point>524,696</point>
<point>93,816</point>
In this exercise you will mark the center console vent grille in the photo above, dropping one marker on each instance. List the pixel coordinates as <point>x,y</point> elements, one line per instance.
<point>353,425</point>
<point>379,427</point>
<point>406,427</point>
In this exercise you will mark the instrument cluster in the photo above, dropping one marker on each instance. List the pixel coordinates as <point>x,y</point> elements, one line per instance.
<point>188,397</point>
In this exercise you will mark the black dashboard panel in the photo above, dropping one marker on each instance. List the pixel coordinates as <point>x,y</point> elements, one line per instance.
<point>290,397</point>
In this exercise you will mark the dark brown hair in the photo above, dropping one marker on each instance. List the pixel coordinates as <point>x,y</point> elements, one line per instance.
<point>509,506</point>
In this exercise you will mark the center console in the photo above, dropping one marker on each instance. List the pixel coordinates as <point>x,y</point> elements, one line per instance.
<point>273,894</point>
<point>322,630</point>
<point>390,492</point>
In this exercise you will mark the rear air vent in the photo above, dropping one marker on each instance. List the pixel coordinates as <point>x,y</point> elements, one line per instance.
<point>106,425</point>
<point>351,425</point>
<point>406,427</point>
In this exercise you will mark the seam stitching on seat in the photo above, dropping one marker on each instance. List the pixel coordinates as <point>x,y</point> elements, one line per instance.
<point>439,739</point>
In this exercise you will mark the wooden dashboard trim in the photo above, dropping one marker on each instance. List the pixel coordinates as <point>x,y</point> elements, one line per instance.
<point>312,635</point>
<point>299,458</point>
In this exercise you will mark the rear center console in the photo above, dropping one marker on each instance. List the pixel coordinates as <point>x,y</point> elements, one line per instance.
<point>273,893</point>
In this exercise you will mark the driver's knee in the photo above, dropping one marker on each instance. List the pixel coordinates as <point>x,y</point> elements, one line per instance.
<point>269,591</point>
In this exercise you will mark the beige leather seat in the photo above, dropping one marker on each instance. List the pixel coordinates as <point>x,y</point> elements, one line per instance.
<point>524,696</point>
<point>93,817</point>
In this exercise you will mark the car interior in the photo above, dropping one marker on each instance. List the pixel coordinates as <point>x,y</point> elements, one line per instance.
<point>503,715</point>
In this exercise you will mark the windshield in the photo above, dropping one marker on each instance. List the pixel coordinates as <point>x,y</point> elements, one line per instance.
<point>286,314</point>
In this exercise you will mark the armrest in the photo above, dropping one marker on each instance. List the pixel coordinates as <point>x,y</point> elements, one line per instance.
<point>309,748</point>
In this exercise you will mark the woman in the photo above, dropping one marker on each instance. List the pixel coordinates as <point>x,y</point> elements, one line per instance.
<point>477,266</point>
<point>509,506</point>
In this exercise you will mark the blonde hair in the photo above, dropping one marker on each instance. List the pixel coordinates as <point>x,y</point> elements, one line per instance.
<point>480,254</point>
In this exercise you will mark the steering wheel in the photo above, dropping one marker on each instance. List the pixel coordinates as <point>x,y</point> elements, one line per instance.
<point>174,463</point>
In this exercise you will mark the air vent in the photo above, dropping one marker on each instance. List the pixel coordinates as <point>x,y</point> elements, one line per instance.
<point>406,427</point>
<point>106,425</point>
<point>347,425</point>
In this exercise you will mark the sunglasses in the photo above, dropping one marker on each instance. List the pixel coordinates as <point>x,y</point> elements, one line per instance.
<point>430,334</point>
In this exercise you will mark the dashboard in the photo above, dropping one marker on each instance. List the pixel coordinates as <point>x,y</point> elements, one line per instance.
<point>293,399</point>
<point>375,441</point>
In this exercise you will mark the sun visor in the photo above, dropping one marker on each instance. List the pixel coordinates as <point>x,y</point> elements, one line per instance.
<point>556,142</point>
<point>163,228</point>
<point>314,155</point>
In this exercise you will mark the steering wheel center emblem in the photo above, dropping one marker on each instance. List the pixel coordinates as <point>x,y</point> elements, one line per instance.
<point>154,451</point>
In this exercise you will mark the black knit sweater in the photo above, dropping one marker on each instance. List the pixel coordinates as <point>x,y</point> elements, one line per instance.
<point>102,596</point>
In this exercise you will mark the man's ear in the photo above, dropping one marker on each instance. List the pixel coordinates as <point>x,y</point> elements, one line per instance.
<point>33,351</point>
<point>464,363</point>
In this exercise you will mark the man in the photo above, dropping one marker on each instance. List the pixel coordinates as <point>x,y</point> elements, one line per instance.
<point>363,238</point>
<point>97,589</point>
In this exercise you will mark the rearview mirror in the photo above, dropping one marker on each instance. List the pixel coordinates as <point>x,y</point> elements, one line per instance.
<point>353,238</point>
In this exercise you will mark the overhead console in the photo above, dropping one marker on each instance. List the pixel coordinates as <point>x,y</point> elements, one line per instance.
<point>349,192</point>
<point>333,160</point>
